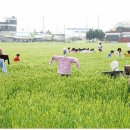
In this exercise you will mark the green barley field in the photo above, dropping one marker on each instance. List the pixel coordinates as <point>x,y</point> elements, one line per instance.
<point>33,95</point>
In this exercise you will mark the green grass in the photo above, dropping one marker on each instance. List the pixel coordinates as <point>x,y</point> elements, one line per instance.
<point>33,95</point>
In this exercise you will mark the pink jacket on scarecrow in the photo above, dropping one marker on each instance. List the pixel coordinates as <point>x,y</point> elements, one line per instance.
<point>64,64</point>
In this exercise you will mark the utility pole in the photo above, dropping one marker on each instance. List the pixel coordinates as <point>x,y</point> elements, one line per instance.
<point>64,33</point>
<point>98,22</point>
<point>43,24</point>
<point>86,23</point>
<point>73,34</point>
<point>86,28</point>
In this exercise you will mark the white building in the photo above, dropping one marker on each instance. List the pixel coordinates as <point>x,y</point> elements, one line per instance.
<point>76,33</point>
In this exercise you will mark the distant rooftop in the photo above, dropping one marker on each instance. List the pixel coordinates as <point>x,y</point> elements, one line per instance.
<point>81,29</point>
<point>22,34</point>
<point>125,24</point>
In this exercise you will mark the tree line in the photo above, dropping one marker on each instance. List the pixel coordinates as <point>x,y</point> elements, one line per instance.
<point>96,34</point>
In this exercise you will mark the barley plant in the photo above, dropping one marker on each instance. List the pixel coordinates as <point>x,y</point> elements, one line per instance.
<point>33,95</point>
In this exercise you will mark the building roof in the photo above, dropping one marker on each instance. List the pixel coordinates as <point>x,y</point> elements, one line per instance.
<point>125,24</point>
<point>125,33</point>
<point>125,36</point>
<point>79,29</point>
<point>22,34</point>
<point>112,33</point>
<point>11,18</point>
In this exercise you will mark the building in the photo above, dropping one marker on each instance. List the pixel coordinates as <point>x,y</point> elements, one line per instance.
<point>59,37</point>
<point>112,36</point>
<point>10,25</point>
<point>8,33</point>
<point>76,33</point>
<point>26,37</point>
<point>120,33</point>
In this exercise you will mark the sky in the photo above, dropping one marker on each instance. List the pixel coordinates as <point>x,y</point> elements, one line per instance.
<point>54,15</point>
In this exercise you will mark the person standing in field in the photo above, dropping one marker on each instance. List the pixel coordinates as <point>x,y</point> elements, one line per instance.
<point>64,63</point>
<point>17,58</point>
<point>118,52</point>
<point>2,66</point>
<point>69,49</point>
<point>100,47</point>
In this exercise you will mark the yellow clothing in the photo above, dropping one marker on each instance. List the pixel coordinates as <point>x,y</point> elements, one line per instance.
<point>127,55</point>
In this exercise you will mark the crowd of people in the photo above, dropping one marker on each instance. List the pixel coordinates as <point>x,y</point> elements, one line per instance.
<point>64,62</point>
<point>85,50</point>
<point>80,50</point>
<point>117,53</point>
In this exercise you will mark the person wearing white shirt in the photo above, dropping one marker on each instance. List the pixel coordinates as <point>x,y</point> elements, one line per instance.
<point>100,47</point>
<point>118,52</point>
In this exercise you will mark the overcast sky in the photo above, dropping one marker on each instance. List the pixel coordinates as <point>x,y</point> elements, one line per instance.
<point>71,13</point>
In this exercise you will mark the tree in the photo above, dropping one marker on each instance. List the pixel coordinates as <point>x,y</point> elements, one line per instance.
<point>101,35</point>
<point>90,34</point>
<point>48,32</point>
<point>95,34</point>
